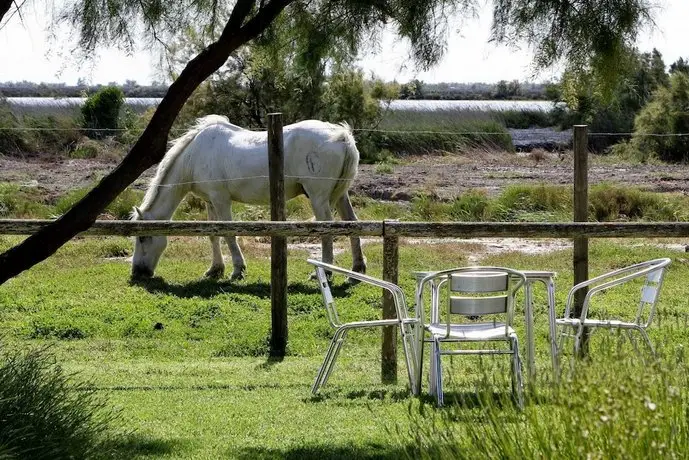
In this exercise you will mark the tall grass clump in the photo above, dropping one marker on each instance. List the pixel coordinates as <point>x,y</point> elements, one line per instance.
<point>474,205</point>
<point>35,135</point>
<point>419,132</point>
<point>46,414</point>
<point>609,202</point>
<point>543,199</point>
<point>18,202</point>
<point>614,406</point>
<point>120,208</point>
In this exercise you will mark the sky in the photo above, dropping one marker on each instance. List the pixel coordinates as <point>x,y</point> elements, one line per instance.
<point>29,52</point>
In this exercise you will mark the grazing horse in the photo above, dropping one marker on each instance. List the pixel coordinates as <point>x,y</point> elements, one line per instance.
<point>221,162</point>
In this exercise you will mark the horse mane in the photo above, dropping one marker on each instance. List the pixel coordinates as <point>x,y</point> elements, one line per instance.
<point>176,147</point>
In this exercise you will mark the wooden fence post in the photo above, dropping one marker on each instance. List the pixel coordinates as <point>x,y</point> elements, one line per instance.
<point>278,244</point>
<point>580,257</point>
<point>388,352</point>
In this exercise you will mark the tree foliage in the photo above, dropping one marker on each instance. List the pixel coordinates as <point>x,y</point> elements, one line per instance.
<point>610,106</point>
<point>583,33</point>
<point>657,126</point>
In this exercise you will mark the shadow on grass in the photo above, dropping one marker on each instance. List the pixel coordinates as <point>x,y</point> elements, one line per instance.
<point>395,395</point>
<point>137,446</point>
<point>207,288</point>
<point>324,452</point>
<point>209,387</point>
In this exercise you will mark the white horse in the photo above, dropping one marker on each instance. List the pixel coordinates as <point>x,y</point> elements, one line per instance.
<point>221,162</point>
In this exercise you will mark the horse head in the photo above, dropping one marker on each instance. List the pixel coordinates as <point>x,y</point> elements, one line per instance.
<point>147,249</point>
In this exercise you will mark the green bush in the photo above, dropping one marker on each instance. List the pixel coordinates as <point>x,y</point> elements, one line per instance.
<point>120,208</point>
<point>44,413</point>
<point>101,112</point>
<point>658,123</point>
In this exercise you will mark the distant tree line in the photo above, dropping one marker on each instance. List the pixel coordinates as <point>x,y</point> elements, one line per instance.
<point>502,90</point>
<point>30,89</point>
<point>414,89</point>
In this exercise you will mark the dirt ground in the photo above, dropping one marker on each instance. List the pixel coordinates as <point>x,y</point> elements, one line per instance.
<point>442,176</point>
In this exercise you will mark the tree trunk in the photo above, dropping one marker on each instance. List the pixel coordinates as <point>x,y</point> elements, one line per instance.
<point>149,148</point>
<point>5,6</point>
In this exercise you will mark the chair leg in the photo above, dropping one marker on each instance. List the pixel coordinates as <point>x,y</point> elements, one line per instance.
<point>409,346</point>
<point>517,383</point>
<point>338,347</point>
<point>577,339</point>
<point>321,371</point>
<point>419,366</point>
<point>648,342</point>
<point>632,340</point>
<point>438,373</point>
<point>330,356</point>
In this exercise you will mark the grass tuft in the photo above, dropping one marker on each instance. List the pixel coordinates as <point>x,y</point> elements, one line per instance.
<point>44,413</point>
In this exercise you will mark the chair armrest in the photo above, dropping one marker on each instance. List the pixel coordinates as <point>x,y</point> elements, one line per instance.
<point>396,291</point>
<point>619,277</point>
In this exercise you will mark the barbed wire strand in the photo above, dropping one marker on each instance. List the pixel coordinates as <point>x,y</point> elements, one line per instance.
<point>376,130</point>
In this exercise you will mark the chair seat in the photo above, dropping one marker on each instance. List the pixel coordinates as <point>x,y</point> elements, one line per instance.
<point>609,323</point>
<point>471,332</point>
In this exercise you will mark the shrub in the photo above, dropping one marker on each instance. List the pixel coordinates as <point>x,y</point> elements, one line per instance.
<point>45,413</point>
<point>101,111</point>
<point>86,148</point>
<point>666,114</point>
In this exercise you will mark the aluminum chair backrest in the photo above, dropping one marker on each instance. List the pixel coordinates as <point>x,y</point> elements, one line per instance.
<point>328,299</point>
<point>479,282</point>
<point>653,273</point>
<point>650,290</point>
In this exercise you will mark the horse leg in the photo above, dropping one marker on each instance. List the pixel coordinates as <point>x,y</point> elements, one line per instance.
<point>322,211</point>
<point>217,269</point>
<point>346,212</point>
<point>224,212</point>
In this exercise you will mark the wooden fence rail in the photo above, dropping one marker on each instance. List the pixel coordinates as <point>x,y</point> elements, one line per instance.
<point>369,228</point>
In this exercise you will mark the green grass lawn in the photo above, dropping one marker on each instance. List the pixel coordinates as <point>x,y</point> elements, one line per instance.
<point>185,362</point>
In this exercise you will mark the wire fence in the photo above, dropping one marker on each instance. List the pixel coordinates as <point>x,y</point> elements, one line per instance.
<point>372,130</point>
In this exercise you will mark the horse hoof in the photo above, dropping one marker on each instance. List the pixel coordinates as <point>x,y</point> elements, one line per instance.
<point>215,273</point>
<point>237,276</point>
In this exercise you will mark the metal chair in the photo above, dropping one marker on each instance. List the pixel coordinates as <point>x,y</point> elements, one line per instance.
<point>652,272</point>
<point>474,292</point>
<point>406,324</point>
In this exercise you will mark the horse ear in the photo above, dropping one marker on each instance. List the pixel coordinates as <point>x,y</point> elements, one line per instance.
<point>138,212</point>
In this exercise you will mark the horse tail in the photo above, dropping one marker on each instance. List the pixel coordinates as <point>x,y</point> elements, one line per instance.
<point>350,164</point>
